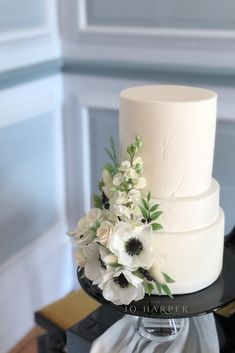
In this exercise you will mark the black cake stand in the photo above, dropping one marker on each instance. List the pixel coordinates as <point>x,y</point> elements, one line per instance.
<point>162,318</point>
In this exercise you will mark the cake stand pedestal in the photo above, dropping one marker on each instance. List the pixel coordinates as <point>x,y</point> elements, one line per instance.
<point>161,318</point>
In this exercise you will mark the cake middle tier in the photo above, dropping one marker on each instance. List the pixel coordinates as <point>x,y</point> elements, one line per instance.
<point>189,213</point>
<point>193,259</point>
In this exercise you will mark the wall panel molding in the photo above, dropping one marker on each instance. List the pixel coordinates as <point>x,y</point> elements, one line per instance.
<point>171,46</point>
<point>36,43</point>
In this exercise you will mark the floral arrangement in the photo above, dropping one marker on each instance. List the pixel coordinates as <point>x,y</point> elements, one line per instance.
<point>114,240</point>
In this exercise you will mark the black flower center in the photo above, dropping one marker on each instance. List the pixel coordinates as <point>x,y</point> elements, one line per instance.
<point>146,274</point>
<point>121,281</point>
<point>133,246</point>
<point>105,201</point>
<point>102,264</point>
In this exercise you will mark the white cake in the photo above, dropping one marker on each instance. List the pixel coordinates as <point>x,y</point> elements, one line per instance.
<point>177,125</point>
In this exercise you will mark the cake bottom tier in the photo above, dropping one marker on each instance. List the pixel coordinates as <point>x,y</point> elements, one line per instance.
<point>193,259</point>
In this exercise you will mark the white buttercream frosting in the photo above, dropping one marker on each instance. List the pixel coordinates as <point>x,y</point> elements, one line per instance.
<point>192,259</point>
<point>177,125</point>
<point>189,213</point>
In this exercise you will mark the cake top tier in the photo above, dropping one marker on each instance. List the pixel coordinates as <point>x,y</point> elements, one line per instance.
<point>167,94</point>
<point>177,125</point>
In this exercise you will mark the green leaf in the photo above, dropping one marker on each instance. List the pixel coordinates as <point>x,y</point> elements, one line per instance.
<point>109,154</point>
<point>148,287</point>
<point>168,279</point>
<point>109,168</point>
<point>166,289</point>
<point>144,212</point>
<point>159,287</point>
<point>97,201</point>
<point>154,208</point>
<point>156,226</point>
<point>155,215</point>
<point>146,206</point>
<point>149,196</point>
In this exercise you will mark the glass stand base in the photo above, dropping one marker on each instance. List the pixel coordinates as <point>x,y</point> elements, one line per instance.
<point>160,330</point>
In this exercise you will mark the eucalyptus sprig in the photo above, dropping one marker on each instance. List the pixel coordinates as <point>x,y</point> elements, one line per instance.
<point>132,149</point>
<point>111,152</point>
<point>150,213</point>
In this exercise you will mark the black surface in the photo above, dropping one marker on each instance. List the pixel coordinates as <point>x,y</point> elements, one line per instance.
<point>81,336</point>
<point>212,298</point>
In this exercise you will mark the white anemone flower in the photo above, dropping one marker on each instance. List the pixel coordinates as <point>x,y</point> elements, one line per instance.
<point>94,268</point>
<point>132,246</point>
<point>122,287</point>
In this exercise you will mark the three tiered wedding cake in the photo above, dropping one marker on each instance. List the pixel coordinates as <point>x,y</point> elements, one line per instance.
<point>156,226</point>
<point>177,125</point>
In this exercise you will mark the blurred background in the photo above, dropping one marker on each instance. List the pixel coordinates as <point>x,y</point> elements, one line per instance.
<point>62,66</point>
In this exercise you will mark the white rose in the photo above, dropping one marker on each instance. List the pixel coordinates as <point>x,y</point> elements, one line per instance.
<point>118,179</point>
<point>140,183</point>
<point>124,166</point>
<point>82,224</point>
<point>80,258</point>
<point>103,232</point>
<point>110,259</point>
<point>94,215</point>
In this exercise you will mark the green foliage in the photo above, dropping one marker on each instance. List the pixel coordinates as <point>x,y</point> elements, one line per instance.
<point>132,149</point>
<point>149,212</point>
<point>166,290</point>
<point>97,201</point>
<point>156,226</point>
<point>168,279</point>
<point>111,151</point>
<point>148,287</point>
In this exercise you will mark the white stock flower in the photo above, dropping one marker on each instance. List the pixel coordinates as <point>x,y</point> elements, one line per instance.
<point>124,166</point>
<point>131,173</point>
<point>134,196</point>
<point>103,232</point>
<point>140,183</point>
<point>118,179</point>
<point>94,267</point>
<point>138,164</point>
<point>122,287</point>
<point>132,246</point>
